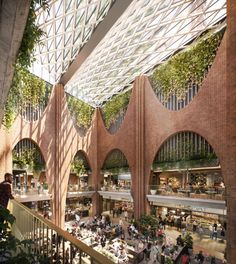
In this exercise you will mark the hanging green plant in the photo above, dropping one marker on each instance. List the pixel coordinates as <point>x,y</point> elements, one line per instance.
<point>78,167</point>
<point>25,88</point>
<point>115,107</point>
<point>27,159</point>
<point>189,66</point>
<point>81,112</point>
<point>31,36</point>
<point>24,159</point>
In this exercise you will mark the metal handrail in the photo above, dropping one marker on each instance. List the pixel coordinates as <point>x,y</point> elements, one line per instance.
<point>38,222</point>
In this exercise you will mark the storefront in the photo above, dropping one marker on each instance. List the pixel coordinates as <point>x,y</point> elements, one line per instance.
<point>77,205</point>
<point>118,207</point>
<point>185,216</point>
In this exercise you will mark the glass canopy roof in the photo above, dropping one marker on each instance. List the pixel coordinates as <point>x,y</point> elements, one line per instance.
<point>68,25</point>
<point>146,34</point>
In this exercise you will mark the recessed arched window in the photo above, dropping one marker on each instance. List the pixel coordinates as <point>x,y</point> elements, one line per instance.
<point>26,153</point>
<point>187,166</point>
<point>185,149</point>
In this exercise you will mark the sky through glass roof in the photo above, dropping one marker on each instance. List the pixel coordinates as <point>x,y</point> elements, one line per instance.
<point>68,25</point>
<point>147,33</point>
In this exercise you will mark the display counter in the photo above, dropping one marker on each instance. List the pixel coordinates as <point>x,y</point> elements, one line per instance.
<point>175,256</point>
<point>83,212</point>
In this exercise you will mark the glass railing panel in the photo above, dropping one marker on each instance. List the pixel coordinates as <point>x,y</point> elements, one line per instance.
<point>76,188</point>
<point>196,192</point>
<point>50,241</point>
<point>115,188</point>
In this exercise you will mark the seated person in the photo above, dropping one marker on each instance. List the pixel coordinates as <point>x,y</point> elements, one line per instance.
<point>77,218</point>
<point>122,254</point>
<point>179,241</point>
<point>140,245</point>
<point>199,257</point>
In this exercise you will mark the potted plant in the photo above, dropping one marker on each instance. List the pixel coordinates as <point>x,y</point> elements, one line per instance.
<point>153,189</point>
<point>188,242</point>
<point>45,188</point>
<point>13,250</point>
<point>168,260</point>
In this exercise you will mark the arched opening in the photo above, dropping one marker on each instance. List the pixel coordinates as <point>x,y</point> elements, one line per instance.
<point>187,188</point>
<point>30,185</point>
<point>80,189</point>
<point>116,185</point>
<point>185,165</point>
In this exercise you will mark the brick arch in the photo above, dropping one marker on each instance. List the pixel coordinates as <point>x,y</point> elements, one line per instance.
<point>37,147</point>
<point>164,140</point>
<point>70,117</point>
<point>125,116</point>
<point>110,152</point>
<point>85,155</point>
<point>35,143</point>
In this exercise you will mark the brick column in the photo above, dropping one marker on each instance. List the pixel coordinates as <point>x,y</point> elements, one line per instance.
<point>96,177</point>
<point>13,17</point>
<point>231,131</point>
<point>139,174</point>
<point>63,154</point>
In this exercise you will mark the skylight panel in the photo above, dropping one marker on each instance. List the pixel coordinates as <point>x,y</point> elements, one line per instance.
<point>145,35</point>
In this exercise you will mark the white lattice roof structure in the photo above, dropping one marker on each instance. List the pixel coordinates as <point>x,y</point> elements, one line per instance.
<point>96,48</point>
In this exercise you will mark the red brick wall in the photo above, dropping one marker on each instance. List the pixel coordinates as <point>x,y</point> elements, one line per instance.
<point>146,126</point>
<point>230,146</point>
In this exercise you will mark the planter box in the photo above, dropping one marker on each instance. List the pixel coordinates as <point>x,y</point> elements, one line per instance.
<point>153,192</point>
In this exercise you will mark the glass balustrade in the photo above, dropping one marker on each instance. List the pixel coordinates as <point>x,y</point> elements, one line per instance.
<point>79,188</point>
<point>199,192</point>
<point>115,188</point>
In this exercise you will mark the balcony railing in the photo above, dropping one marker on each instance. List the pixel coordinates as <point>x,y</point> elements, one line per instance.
<point>215,193</point>
<point>115,188</point>
<point>51,241</point>
<point>76,188</point>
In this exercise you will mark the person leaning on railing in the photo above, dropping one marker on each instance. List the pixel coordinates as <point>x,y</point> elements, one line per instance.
<point>5,194</point>
<point>5,190</point>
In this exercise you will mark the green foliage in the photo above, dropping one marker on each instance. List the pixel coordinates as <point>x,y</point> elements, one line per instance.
<point>82,112</point>
<point>146,222</point>
<point>13,250</point>
<point>188,241</point>
<point>31,36</point>
<point>186,67</point>
<point>78,166</point>
<point>26,89</point>
<point>45,186</point>
<point>168,260</point>
<point>28,158</point>
<point>115,107</point>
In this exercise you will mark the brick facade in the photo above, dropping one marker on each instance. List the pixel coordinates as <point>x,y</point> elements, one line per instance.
<point>146,126</point>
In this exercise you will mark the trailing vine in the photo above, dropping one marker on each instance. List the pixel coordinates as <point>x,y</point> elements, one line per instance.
<point>28,158</point>
<point>26,89</point>
<point>189,66</point>
<point>115,107</point>
<point>81,112</point>
<point>31,36</point>
<point>78,167</point>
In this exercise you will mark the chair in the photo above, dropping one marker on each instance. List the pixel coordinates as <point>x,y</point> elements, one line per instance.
<point>77,218</point>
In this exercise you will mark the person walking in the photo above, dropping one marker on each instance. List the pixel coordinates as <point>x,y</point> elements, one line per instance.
<point>5,190</point>
<point>200,232</point>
